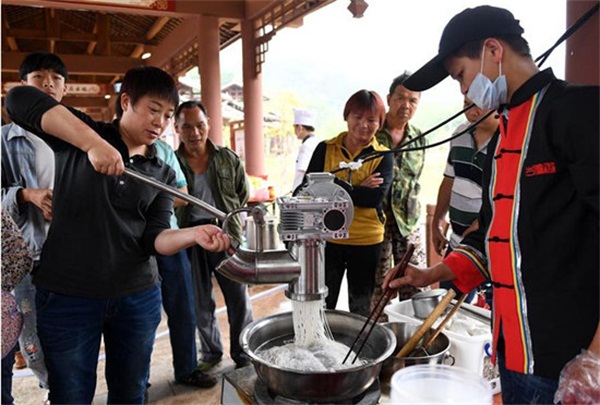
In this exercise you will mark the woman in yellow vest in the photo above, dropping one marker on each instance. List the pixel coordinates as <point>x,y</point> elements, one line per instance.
<point>367,185</point>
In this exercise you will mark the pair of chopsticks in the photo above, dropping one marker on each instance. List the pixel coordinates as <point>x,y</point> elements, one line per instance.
<point>410,346</point>
<point>383,300</point>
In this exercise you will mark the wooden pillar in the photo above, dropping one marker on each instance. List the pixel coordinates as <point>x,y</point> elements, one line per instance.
<point>253,104</point>
<point>581,65</point>
<point>209,67</point>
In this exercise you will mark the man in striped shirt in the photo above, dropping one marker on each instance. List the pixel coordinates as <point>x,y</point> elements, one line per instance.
<point>460,191</point>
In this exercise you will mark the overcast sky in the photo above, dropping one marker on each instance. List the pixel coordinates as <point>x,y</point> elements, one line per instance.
<point>405,31</point>
<point>393,35</point>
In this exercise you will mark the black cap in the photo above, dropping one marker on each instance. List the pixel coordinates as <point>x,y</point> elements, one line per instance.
<point>469,25</point>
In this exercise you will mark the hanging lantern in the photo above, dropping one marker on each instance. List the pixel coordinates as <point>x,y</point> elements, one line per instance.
<point>357,8</point>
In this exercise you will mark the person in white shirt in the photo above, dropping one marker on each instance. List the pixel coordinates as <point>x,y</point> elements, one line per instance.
<point>304,127</point>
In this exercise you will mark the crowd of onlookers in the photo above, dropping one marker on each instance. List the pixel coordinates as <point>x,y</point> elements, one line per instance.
<point>90,254</point>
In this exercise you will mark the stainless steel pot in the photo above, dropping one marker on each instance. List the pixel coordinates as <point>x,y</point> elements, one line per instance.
<point>425,302</point>
<point>438,350</point>
<point>317,386</point>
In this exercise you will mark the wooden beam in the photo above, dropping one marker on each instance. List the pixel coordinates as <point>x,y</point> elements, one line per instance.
<point>52,24</point>
<point>255,7</point>
<point>86,102</point>
<point>28,33</point>
<point>297,23</point>
<point>183,8</point>
<point>12,44</point>
<point>52,28</point>
<point>92,44</point>
<point>137,51</point>
<point>75,36</point>
<point>103,23</point>
<point>156,27</point>
<point>79,64</point>
<point>178,39</point>
<point>218,8</point>
<point>10,40</point>
<point>139,48</point>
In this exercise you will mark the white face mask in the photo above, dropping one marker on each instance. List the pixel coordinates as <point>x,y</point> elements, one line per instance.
<point>485,94</point>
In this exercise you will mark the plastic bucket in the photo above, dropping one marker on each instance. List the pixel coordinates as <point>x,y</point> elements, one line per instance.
<point>439,384</point>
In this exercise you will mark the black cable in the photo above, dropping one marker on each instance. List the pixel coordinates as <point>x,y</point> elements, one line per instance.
<point>402,148</point>
<point>435,128</point>
<point>454,136</point>
<point>374,155</point>
<point>542,58</point>
<point>582,20</point>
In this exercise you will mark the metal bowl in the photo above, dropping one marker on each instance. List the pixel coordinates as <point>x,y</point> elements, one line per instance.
<point>318,386</point>
<point>425,302</point>
<point>438,350</point>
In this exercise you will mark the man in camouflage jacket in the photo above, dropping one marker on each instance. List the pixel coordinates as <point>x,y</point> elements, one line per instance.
<point>401,205</point>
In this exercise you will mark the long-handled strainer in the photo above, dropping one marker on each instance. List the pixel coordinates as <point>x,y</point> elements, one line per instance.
<point>378,309</point>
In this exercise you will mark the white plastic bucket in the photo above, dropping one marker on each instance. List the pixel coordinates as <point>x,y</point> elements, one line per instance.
<point>470,352</point>
<point>439,384</point>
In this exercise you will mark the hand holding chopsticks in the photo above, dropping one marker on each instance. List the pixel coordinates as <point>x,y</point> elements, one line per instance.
<point>378,309</point>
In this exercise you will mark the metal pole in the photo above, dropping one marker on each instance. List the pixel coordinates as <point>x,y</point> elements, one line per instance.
<point>220,215</point>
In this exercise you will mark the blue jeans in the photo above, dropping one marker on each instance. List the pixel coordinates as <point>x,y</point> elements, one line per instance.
<point>7,374</point>
<point>31,349</point>
<point>518,388</point>
<point>178,302</point>
<point>70,329</point>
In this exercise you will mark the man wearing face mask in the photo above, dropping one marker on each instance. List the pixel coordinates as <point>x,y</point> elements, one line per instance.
<point>538,236</point>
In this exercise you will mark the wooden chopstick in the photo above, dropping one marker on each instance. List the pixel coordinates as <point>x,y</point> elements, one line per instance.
<point>437,330</point>
<point>376,312</point>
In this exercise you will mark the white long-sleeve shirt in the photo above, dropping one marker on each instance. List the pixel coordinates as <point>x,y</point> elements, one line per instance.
<point>304,154</point>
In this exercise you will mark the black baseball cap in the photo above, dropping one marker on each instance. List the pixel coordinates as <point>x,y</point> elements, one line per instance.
<point>471,24</point>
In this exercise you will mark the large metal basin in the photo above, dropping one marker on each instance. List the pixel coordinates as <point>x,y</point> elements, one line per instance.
<point>318,386</point>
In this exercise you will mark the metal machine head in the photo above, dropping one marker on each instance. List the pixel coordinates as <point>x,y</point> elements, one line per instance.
<point>321,210</point>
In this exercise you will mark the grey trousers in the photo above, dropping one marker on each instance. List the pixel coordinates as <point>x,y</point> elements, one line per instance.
<point>237,300</point>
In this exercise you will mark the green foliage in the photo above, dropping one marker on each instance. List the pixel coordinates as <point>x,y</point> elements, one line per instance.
<point>281,104</point>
